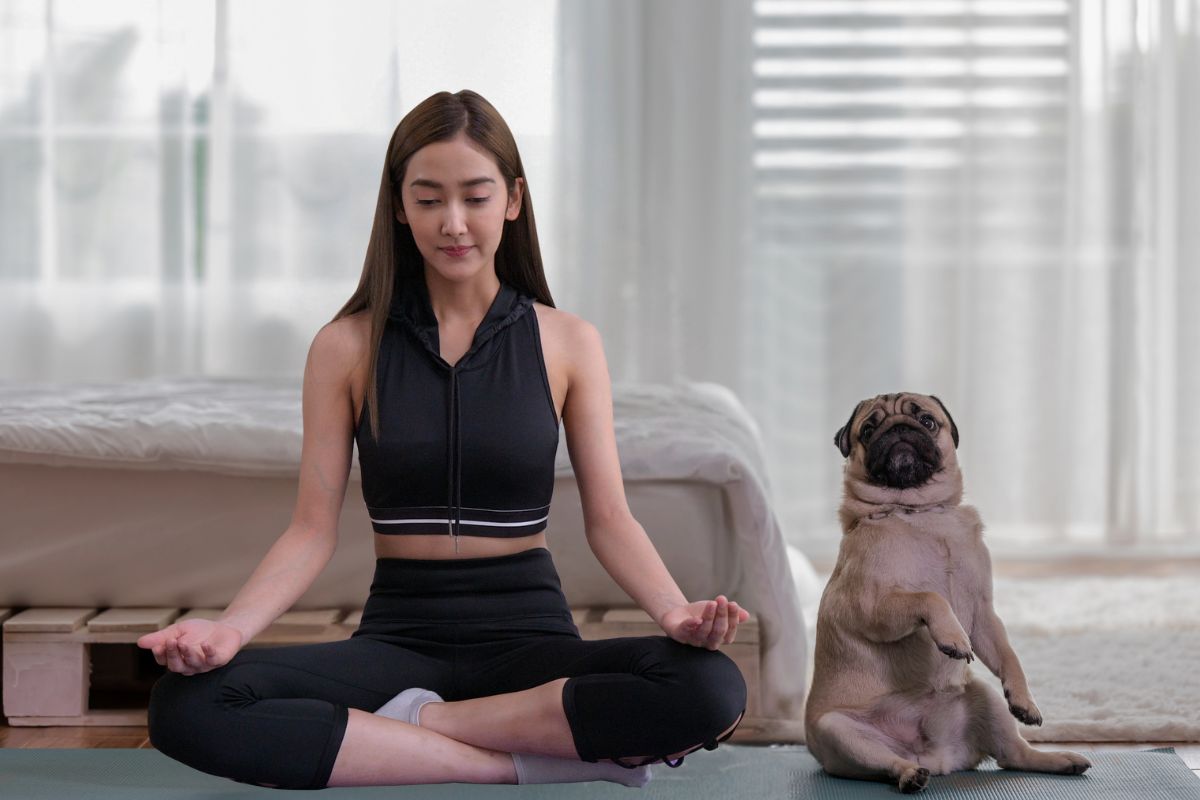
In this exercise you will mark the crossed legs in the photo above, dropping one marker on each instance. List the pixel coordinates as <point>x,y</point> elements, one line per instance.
<point>301,716</point>
<point>529,721</point>
<point>451,744</point>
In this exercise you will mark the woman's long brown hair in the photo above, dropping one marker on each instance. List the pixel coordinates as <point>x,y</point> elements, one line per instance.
<point>391,250</point>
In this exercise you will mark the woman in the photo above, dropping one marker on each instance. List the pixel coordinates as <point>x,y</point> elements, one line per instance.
<point>451,368</point>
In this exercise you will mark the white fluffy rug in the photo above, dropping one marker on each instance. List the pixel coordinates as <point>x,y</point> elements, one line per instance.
<point>1108,658</point>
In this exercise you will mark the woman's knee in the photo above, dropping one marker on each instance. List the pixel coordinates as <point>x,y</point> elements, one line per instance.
<point>210,722</point>
<point>175,715</point>
<point>713,687</point>
<point>189,719</point>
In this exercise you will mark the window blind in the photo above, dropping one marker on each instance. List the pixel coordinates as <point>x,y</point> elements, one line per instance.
<point>894,142</point>
<point>864,110</point>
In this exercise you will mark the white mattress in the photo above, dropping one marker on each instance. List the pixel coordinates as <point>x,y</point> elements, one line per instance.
<point>168,492</point>
<point>97,536</point>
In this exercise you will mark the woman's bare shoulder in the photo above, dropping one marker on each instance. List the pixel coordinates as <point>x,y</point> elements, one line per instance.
<point>345,340</point>
<point>340,348</point>
<point>339,354</point>
<point>563,329</point>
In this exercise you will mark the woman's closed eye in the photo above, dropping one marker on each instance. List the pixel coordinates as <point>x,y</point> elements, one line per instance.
<point>424,201</point>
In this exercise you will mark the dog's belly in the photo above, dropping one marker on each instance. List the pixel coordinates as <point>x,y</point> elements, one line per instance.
<point>933,729</point>
<point>858,674</point>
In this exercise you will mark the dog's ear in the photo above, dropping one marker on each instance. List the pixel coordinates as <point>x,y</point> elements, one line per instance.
<point>842,437</point>
<point>953,427</point>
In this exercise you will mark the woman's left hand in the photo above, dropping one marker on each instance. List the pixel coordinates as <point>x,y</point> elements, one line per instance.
<point>705,623</point>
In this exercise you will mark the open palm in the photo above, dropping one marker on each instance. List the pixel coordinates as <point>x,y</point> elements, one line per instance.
<point>705,623</point>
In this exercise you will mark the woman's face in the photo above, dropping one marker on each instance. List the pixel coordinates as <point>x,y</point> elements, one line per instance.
<point>455,201</point>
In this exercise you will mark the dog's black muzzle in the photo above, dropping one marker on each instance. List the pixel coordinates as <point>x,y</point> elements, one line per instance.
<point>902,457</point>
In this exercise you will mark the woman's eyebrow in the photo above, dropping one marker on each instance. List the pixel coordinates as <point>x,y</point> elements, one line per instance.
<point>435,185</point>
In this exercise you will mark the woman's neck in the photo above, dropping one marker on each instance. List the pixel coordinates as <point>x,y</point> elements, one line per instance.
<point>461,301</point>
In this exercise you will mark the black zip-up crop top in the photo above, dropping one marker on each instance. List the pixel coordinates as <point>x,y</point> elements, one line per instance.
<point>464,449</point>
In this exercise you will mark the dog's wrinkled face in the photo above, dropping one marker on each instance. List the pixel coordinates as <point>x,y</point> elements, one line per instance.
<point>897,440</point>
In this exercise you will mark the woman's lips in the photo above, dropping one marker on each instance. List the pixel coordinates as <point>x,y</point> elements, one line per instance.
<point>456,252</point>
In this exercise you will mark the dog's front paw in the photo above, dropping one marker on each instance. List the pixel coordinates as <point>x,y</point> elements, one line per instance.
<point>952,640</point>
<point>956,645</point>
<point>957,651</point>
<point>1021,706</point>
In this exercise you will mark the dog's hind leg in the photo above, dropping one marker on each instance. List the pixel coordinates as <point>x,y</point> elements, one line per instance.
<point>995,732</point>
<point>850,748</point>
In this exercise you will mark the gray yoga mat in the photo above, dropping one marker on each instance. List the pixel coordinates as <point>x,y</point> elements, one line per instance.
<point>730,771</point>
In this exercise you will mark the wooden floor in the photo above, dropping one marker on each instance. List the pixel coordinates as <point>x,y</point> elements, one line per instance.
<point>134,737</point>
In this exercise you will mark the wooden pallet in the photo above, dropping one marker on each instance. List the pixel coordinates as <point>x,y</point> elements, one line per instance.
<point>48,654</point>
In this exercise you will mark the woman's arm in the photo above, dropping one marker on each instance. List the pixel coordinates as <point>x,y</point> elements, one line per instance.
<point>305,547</point>
<point>618,540</point>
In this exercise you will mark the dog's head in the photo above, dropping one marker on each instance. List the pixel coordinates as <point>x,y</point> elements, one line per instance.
<point>901,449</point>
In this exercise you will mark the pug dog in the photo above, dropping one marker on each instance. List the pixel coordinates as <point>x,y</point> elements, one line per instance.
<point>908,606</point>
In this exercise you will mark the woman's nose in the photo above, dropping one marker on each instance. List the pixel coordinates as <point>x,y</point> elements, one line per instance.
<point>454,223</point>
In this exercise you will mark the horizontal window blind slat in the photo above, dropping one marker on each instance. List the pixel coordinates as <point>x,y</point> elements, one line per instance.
<point>795,197</point>
<point>913,158</point>
<point>851,232</point>
<point>883,113</point>
<point>805,132</point>
<point>921,9</point>
<point>894,21</point>
<point>1029,214</point>
<point>829,228</point>
<point>888,255</point>
<point>1021,199</point>
<point>891,82</point>
<point>1023,205</point>
<point>807,35</point>
<point>912,67</point>
<point>855,53</point>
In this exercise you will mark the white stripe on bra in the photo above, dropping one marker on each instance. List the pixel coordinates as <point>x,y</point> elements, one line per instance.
<point>463,521</point>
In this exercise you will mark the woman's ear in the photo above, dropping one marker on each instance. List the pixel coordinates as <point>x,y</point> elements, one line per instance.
<point>398,205</point>
<point>514,200</point>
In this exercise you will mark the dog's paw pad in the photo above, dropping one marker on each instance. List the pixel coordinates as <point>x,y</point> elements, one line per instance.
<point>914,780</point>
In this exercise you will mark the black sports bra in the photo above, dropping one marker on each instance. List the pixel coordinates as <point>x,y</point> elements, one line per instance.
<point>464,449</point>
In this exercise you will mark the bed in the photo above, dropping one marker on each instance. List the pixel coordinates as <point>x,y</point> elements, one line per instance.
<point>167,492</point>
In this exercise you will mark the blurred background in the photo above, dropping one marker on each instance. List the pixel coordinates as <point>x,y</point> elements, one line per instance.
<point>808,201</point>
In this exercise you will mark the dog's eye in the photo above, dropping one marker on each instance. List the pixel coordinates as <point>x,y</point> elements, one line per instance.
<point>866,432</point>
<point>929,422</point>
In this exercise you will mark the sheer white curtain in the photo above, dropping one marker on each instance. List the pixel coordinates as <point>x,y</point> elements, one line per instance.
<point>187,188</point>
<point>652,106</point>
<point>813,201</point>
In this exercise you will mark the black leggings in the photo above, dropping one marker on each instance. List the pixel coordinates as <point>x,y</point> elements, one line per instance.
<point>463,628</point>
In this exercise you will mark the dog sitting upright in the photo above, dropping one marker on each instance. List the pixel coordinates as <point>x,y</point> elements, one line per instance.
<point>909,604</point>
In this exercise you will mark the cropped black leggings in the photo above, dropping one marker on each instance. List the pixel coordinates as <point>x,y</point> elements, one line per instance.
<point>463,628</point>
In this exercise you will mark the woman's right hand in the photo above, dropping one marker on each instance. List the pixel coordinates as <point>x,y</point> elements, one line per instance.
<point>194,645</point>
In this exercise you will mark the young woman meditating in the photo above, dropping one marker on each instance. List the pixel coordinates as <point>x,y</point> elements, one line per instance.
<point>451,369</point>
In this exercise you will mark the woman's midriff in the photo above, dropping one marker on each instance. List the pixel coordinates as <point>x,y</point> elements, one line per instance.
<point>442,545</point>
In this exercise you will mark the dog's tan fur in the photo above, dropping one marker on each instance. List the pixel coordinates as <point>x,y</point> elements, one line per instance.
<point>908,605</point>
